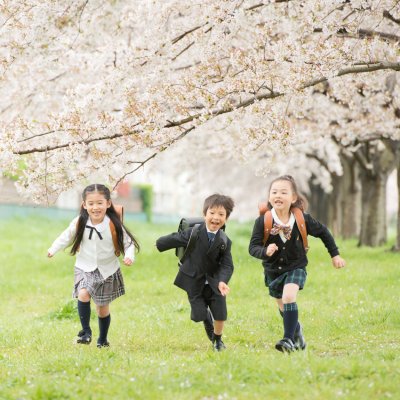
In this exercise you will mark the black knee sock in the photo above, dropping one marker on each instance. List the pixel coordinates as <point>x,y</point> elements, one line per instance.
<point>104,324</point>
<point>84,315</point>
<point>217,337</point>
<point>290,319</point>
<point>298,323</point>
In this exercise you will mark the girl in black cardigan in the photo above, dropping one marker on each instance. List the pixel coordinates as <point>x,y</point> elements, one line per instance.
<point>284,256</point>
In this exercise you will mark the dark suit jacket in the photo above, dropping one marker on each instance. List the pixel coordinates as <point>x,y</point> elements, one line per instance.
<point>203,263</point>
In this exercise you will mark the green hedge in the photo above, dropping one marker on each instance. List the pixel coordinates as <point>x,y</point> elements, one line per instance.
<point>146,195</point>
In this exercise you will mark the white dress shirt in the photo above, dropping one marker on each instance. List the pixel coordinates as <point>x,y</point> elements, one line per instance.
<point>94,253</point>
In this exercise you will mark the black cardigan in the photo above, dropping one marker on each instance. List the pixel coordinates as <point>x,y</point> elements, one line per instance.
<point>291,254</point>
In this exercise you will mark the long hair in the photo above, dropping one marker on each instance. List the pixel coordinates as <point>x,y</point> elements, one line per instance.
<point>301,201</point>
<point>111,213</point>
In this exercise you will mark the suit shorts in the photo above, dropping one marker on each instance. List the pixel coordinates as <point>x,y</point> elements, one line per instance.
<point>208,298</point>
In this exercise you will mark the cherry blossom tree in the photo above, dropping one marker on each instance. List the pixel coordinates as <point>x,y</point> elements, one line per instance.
<point>109,85</point>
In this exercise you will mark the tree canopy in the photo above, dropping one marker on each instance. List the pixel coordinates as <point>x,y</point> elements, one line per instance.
<point>108,85</point>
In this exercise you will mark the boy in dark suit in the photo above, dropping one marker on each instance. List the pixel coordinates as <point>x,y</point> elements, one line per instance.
<point>204,274</point>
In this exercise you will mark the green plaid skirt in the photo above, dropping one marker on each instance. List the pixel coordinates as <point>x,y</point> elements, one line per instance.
<point>276,281</point>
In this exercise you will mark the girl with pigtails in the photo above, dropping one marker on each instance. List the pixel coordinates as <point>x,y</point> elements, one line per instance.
<point>98,236</point>
<point>282,247</point>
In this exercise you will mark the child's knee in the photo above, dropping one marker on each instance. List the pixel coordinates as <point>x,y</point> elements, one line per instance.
<point>198,315</point>
<point>83,295</point>
<point>103,311</point>
<point>289,297</point>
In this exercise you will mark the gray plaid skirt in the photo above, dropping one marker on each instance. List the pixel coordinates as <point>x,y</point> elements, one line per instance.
<point>276,281</point>
<point>102,291</point>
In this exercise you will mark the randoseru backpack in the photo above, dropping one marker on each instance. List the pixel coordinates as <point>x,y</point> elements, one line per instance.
<point>185,223</point>
<point>298,215</point>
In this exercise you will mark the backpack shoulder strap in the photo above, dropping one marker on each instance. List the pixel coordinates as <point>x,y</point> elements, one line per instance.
<point>120,211</point>
<point>224,239</point>
<point>192,240</point>
<point>267,225</point>
<point>301,224</point>
<point>114,239</point>
<point>264,210</point>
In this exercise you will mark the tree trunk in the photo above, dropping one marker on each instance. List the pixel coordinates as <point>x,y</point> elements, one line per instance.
<point>376,159</point>
<point>340,210</point>
<point>351,199</point>
<point>335,212</point>
<point>397,244</point>
<point>318,202</point>
<point>373,216</point>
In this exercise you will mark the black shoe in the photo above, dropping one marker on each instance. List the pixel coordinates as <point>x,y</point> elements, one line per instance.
<point>285,345</point>
<point>209,325</point>
<point>299,340</point>
<point>84,337</point>
<point>218,345</point>
<point>105,344</point>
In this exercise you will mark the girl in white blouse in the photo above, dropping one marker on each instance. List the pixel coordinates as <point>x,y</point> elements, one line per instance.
<point>98,237</point>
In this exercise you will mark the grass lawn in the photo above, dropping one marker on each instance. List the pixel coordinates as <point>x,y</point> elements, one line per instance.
<point>350,318</point>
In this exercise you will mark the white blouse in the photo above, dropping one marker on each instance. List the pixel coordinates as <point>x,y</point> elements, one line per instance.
<point>95,252</point>
<point>291,222</point>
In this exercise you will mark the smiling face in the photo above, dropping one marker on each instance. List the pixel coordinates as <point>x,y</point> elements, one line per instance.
<point>281,196</point>
<point>96,205</point>
<point>215,218</point>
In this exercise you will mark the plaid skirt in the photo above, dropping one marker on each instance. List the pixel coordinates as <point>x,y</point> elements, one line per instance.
<point>276,281</point>
<point>102,291</point>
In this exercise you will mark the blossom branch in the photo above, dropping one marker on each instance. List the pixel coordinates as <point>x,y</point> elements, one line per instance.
<point>386,14</point>
<point>64,145</point>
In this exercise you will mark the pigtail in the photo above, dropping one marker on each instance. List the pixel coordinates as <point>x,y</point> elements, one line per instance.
<point>301,203</point>
<point>80,229</point>
<point>119,227</point>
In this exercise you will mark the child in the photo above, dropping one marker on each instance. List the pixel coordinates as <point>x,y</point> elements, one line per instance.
<point>205,272</point>
<point>97,270</point>
<point>284,257</point>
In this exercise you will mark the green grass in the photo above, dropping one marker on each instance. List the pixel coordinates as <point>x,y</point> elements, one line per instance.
<point>351,322</point>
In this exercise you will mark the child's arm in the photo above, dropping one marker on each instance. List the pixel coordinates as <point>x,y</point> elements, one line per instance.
<point>64,240</point>
<point>316,229</point>
<point>173,240</point>
<point>225,270</point>
<point>129,249</point>
<point>223,288</point>
<point>256,246</point>
<point>338,262</point>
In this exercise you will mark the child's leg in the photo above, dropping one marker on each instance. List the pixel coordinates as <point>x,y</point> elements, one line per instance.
<point>218,344</point>
<point>218,308</point>
<point>280,307</point>
<point>103,313</point>
<point>84,316</point>
<point>290,311</point>
<point>218,327</point>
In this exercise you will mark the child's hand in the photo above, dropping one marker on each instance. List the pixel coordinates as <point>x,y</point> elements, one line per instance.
<point>49,255</point>
<point>271,249</point>
<point>338,262</point>
<point>223,288</point>
<point>128,261</point>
